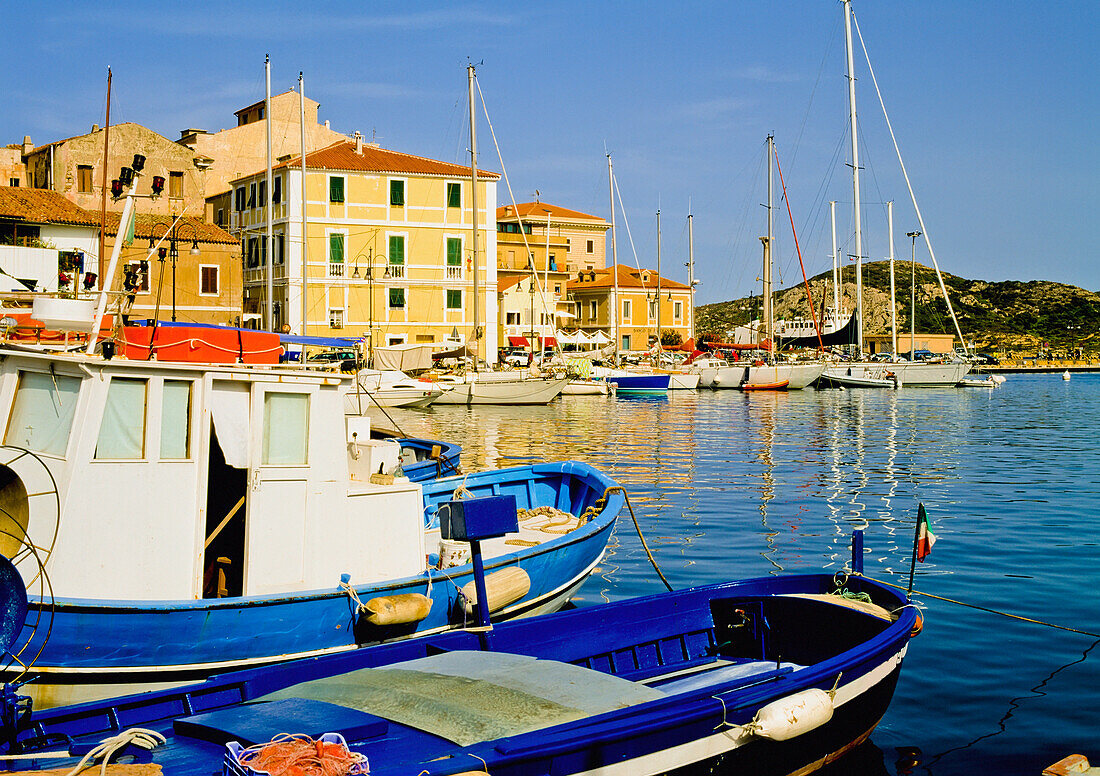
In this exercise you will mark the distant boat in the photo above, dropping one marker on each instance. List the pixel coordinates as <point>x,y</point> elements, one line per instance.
<point>781,385</point>
<point>389,388</point>
<point>839,376</point>
<point>635,384</point>
<point>499,388</point>
<point>1065,375</point>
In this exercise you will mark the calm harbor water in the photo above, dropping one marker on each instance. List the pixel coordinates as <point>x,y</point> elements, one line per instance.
<point>729,485</point>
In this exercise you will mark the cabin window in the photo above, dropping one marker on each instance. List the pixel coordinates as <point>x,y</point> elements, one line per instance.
<point>175,420</point>
<point>122,430</point>
<point>286,429</point>
<point>42,413</point>
<point>454,195</point>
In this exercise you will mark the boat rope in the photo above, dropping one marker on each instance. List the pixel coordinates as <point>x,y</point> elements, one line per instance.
<point>143,737</point>
<point>990,611</point>
<point>798,250</point>
<point>347,588</point>
<point>638,528</point>
<point>296,753</point>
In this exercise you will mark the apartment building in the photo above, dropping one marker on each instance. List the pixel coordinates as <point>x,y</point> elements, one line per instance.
<point>642,310</point>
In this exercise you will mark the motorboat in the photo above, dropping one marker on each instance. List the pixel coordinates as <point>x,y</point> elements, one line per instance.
<point>512,387</point>
<point>844,377</point>
<point>389,388</point>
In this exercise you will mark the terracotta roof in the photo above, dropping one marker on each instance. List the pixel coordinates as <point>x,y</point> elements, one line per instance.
<point>628,278</point>
<point>536,211</point>
<point>41,206</point>
<point>342,156</point>
<point>188,229</point>
<point>503,284</point>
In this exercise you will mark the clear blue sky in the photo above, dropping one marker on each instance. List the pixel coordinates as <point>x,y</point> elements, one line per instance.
<point>994,103</point>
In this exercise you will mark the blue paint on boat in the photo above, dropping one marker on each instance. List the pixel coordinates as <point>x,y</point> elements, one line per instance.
<point>634,385</point>
<point>425,467</point>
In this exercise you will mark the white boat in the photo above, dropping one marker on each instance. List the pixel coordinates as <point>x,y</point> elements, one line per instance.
<point>974,382</point>
<point>843,376</point>
<point>499,388</point>
<point>798,374</point>
<point>389,388</point>
<point>915,374</point>
<point>578,387</point>
<point>717,373</point>
<point>681,380</point>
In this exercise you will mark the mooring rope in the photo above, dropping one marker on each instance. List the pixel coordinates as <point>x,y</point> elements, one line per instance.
<point>991,611</point>
<point>638,528</point>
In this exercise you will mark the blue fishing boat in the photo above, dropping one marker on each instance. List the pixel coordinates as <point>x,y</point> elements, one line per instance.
<point>428,459</point>
<point>775,675</point>
<point>630,384</point>
<point>176,520</point>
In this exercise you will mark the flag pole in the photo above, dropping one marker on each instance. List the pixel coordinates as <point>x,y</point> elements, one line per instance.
<point>921,517</point>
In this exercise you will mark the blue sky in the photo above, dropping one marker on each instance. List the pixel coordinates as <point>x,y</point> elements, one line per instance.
<point>994,103</point>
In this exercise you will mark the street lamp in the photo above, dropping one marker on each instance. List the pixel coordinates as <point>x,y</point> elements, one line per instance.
<point>913,294</point>
<point>172,252</point>
<point>369,270</point>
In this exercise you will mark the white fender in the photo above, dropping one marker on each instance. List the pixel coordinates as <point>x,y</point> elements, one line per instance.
<point>793,715</point>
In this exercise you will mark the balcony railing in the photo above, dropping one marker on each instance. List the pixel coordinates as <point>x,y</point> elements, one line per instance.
<point>454,272</point>
<point>336,269</point>
<point>397,270</point>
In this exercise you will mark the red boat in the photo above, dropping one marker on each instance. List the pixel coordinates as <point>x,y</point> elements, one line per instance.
<point>779,386</point>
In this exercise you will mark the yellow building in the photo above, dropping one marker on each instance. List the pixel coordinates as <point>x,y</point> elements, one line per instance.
<point>389,249</point>
<point>576,240</point>
<point>639,305</point>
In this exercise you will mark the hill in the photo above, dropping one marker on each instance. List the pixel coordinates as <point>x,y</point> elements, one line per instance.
<point>1006,315</point>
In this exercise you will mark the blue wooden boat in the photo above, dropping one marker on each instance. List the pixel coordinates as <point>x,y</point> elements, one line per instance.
<point>420,460</point>
<point>627,384</point>
<point>775,675</point>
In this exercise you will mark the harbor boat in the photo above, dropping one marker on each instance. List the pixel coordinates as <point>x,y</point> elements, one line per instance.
<point>780,385</point>
<point>499,388</point>
<point>176,520</point>
<point>975,382</point>
<point>428,459</point>
<point>797,374</point>
<point>840,376</point>
<point>389,388</point>
<point>582,387</point>
<point>776,675</point>
<point>681,380</point>
<point>716,372</point>
<point>627,383</point>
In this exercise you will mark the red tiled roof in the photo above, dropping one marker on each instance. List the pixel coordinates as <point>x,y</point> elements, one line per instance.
<point>41,206</point>
<point>187,229</point>
<point>628,278</point>
<point>536,211</point>
<point>342,156</point>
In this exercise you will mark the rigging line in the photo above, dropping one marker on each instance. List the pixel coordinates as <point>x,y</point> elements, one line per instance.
<point>626,222</point>
<point>813,91</point>
<point>798,250</point>
<point>909,185</point>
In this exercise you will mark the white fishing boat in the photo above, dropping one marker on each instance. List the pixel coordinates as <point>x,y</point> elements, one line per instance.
<point>499,388</point>
<point>843,376</point>
<point>389,388</point>
<point>797,374</point>
<point>580,387</point>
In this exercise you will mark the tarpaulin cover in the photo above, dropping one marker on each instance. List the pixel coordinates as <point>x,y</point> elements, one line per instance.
<point>406,358</point>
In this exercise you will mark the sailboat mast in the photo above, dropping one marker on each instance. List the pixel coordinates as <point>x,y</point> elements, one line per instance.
<point>855,170</point>
<point>269,265</point>
<point>658,305</point>
<point>836,264</point>
<point>103,199</point>
<point>893,300</point>
<point>474,204</point>
<point>691,276</point>
<point>767,300</point>
<point>305,240</point>
<point>614,306</point>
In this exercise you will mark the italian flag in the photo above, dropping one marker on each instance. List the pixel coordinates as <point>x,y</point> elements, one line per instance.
<point>925,538</point>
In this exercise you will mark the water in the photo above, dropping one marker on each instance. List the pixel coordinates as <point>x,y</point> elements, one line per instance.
<point>729,485</point>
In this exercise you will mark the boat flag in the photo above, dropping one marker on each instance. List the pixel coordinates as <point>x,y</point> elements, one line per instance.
<point>127,230</point>
<point>925,538</point>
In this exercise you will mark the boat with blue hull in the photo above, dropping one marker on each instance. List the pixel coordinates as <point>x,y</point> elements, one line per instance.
<point>428,459</point>
<point>176,520</point>
<point>632,384</point>
<point>777,675</point>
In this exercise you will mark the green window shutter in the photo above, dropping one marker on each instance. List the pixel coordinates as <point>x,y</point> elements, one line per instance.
<point>397,297</point>
<point>397,193</point>
<point>336,247</point>
<point>454,251</point>
<point>336,189</point>
<point>454,299</point>
<point>454,195</point>
<point>397,249</point>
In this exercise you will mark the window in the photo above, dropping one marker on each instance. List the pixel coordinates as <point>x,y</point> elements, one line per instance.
<point>336,188</point>
<point>280,247</point>
<point>42,413</point>
<point>397,299</point>
<point>336,319</point>
<point>336,254</point>
<point>175,420</point>
<point>626,342</point>
<point>142,273</point>
<point>454,251</point>
<point>454,299</point>
<point>251,195</point>
<point>397,193</point>
<point>239,202</point>
<point>557,288</point>
<point>253,252</point>
<point>652,306</point>
<point>220,221</point>
<point>276,189</point>
<point>263,193</point>
<point>512,319</point>
<point>591,246</point>
<point>626,309</point>
<point>454,195</point>
<point>553,262</point>
<point>175,184</point>
<point>84,178</point>
<point>208,279</point>
<point>593,307</point>
<point>397,249</point>
<point>122,430</point>
<point>286,429</point>
<point>13,182</point>
<point>677,310</point>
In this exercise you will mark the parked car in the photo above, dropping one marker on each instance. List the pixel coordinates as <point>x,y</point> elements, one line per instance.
<point>986,358</point>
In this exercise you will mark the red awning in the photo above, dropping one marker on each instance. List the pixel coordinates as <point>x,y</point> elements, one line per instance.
<point>519,342</point>
<point>549,342</point>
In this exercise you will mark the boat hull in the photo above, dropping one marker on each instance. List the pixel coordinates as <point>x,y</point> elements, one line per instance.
<point>797,375</point>
<point>525,391</point>
<point>93,645</point>
<point>639,385</point>
<point>914,374</point>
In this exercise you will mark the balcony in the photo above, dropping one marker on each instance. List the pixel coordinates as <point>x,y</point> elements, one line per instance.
<point>454,272</point>
<point>336,269</point>
<point>397,270</point>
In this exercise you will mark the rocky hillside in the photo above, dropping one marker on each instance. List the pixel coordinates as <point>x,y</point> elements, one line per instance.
<point>1003,315</point>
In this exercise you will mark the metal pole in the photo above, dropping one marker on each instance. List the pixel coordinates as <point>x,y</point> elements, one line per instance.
<point>613,310</point>
<point>836,263</point>
<point>768,313</point>
<point>658,305</point>
<point>893,298</point>
<point>305,256</point>
<point>269,266</point>
<point>103,198</point>
<point>474,203</point>
<point>913,295</point>
<point>855,171</point>
<point>174,253</point>
<point>691,277</point>
<point>921,517</point>
<point>105,285</point>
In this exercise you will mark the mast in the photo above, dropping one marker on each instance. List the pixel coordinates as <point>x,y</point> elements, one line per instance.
<point>658,305</point>
<point>269,265</point>
<point>305,241</point>
<point>836,264</point>
<point>614,306</point>
<point>767,290</point>
<point>855,170</point>
<point>103,199</point>
<point>691,276</point>
<point>474,203</point>
<point>893,301</point>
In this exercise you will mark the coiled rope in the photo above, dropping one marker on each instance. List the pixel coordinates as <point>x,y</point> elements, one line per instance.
<point>990,611</point>
<point>107,748</point>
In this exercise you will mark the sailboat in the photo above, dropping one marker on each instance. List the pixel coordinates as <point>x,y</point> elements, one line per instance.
<point>909,373</point>
<point>476,387</point>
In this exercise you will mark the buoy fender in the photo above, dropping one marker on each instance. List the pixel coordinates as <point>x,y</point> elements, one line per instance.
<point>793,715</point>
<point>397,609</point>
<point>501,587</point>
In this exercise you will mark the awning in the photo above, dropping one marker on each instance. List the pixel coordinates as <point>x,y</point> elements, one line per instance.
<point>519,342</point>
<point>564,314</point>
<point>549,342</point>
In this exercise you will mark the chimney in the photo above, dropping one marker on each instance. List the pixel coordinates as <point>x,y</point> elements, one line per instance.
<point>95,128</point>
<point>28,146</point>
<point>326,124</point>
<point>358,142</point>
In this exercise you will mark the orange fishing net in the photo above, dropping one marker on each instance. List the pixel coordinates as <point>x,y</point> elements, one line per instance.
<point>299,755</point>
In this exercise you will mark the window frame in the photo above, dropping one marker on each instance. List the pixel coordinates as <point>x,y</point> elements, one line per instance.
<point>389,248</point>
<point>84,171</point>
<point>398,291</point>
<point>337,182</point>
<point>456,187</point>
<point>217,280</point>
<point>336,318</point>
<point>401,193</point>
<point>449,296</point>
